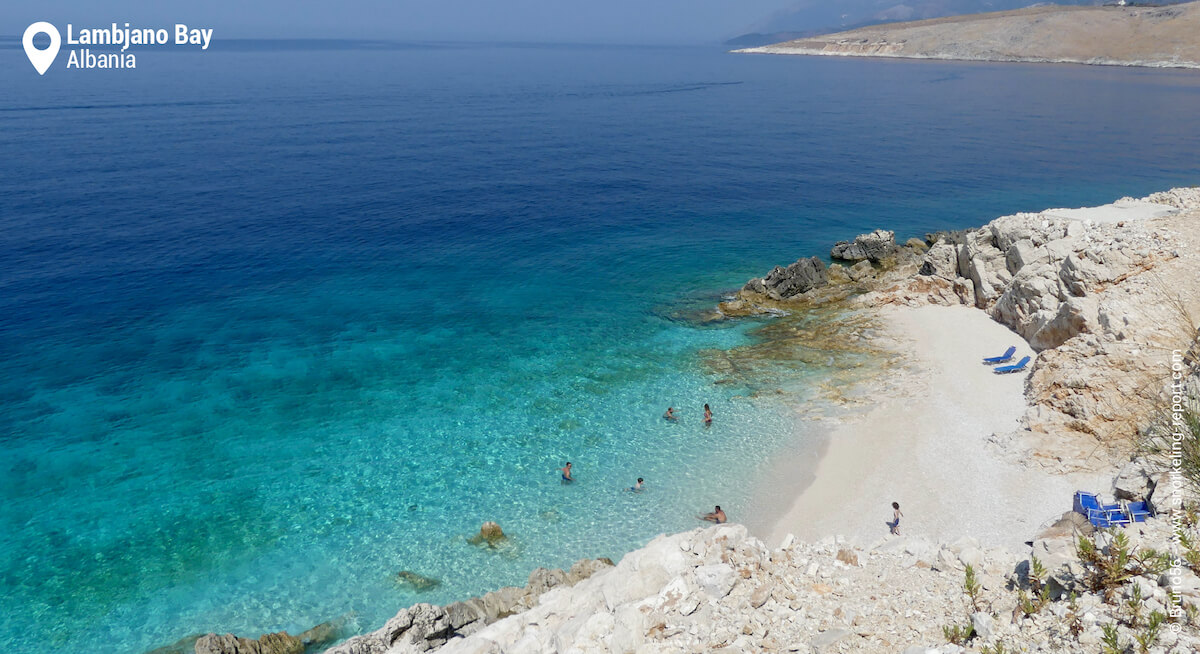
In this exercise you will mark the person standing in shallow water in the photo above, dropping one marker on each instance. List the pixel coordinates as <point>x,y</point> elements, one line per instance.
<point>670,415</point>
<point>896,515</point>
<point>637,488</point>
<point>566,473</point>
<point>707,416</point>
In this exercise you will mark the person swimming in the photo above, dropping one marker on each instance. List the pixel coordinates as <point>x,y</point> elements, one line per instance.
<point>717,516</point>
<point>637,488</point>
<point>566,473</point>
<point>707,416</point>
<point>670,415</point>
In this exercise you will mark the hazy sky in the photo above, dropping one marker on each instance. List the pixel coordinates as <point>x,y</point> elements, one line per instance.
<point>620,21</point>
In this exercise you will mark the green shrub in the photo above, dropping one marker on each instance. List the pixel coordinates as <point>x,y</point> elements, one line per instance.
<point>1133,607</point>
<point>971,585</point>
<point>958,635</point>
<point>1149,636</point>
<point>1111,641</point>
<point>1107,569</point>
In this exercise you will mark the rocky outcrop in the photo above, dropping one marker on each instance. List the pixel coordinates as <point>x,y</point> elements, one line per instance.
<point>1102,293</point>
<point>941,260</point>
<point>873,247</point>
<point>423,627</point>
<point>783,283</point>
<point>809,283</point>
<point>718,589</point>
<point>276,643</point>
<point>1135,482</point>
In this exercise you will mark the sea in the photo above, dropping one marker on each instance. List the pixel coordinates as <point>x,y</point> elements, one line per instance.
<point>282,320</point>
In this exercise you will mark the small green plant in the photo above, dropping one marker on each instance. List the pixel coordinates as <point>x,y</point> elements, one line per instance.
<point>1032,605</point>
<point>1109,568</point>
<point>1191,514</point>
<point>958,635</point>
<point>1039,595</point>
<point>1156,562</point>
<point>1191,612</point>
<point>1149,636</point>
<point>1191,553</point>
<point>1133,607</point>
<point>1074,618</point>
<point>997,649</point>
<point>1037,571</point>
<point>971,585</point>
<point>1111,641</point>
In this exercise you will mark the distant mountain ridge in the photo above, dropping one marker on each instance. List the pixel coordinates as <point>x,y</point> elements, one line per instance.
<point>809,18</point>
<point>1160,36</point>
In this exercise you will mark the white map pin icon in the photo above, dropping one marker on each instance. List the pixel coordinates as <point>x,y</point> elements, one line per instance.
<point>41,59</point>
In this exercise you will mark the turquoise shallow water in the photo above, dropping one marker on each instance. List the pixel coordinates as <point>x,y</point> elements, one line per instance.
<point>277,324</point>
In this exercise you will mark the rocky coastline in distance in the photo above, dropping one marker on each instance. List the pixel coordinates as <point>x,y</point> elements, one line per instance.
<point>1151,36</point>
<point>1103,295</point>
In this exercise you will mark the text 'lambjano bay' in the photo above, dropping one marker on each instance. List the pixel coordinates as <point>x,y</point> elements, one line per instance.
<point>125,37</point>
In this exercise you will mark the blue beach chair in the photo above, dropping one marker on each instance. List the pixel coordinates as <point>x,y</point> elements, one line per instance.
<point>1106,519</point>
<point>1084,502</point>
<point>1016,367</point>
<point>1102,516</point>
<point>1003,358</point>
<point>1139,511</point>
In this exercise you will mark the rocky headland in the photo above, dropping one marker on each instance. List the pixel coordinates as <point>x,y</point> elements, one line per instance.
<point>1107,35</point>
<point>1103,295</point>
<point>1102,299</point>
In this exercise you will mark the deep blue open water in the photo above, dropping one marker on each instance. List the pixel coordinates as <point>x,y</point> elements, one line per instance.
<point>277,323</point>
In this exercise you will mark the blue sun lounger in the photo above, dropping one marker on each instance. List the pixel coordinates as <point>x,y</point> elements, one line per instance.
<point>1003,358</point>
<point>1016,367</point>
<point>1138,511</point>
<point>1103,516</point>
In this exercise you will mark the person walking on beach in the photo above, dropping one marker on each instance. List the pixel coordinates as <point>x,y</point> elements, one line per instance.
<point>707,416</point>
<point>896,515</point>
<point>670,415</point>
<point>717,516</point>
<point>636,488</point>
<point>566,473</point>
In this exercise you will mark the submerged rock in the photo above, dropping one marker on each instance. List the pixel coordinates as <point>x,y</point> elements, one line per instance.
<point>419,583</point>
<point>182,646</point>
<point>489,534</point>
<point>277,643</point>
<point>424,627</point>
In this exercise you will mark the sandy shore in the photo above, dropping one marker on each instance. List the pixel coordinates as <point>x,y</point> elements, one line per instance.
<point>927,448</point>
